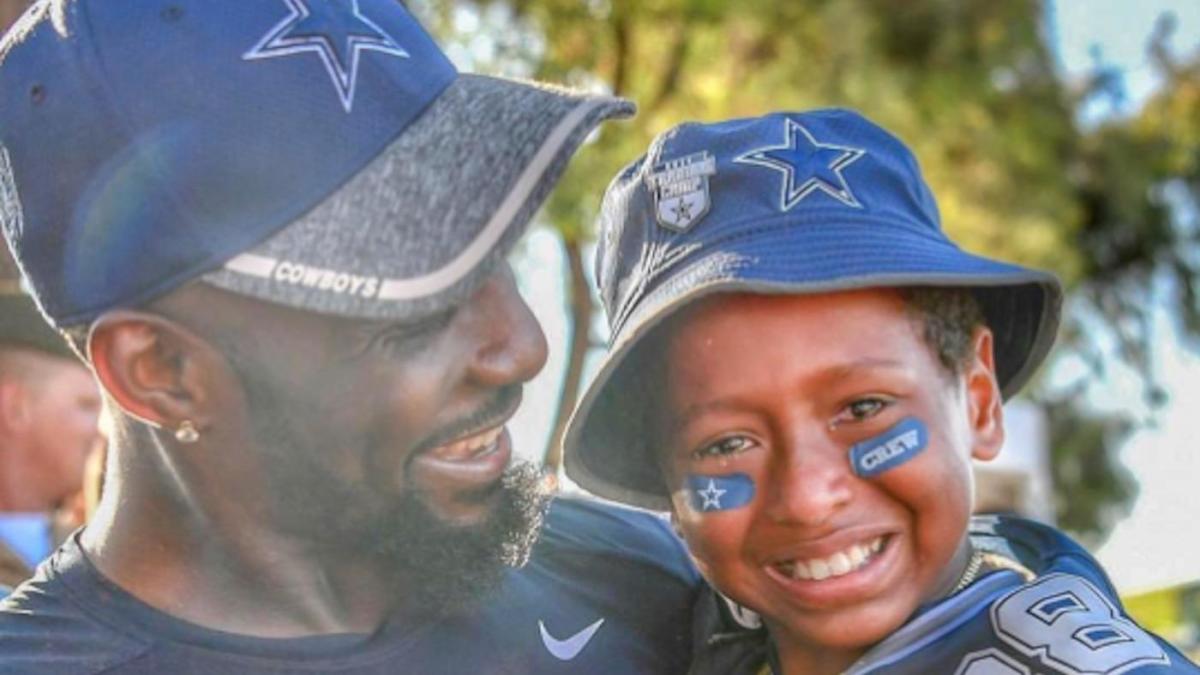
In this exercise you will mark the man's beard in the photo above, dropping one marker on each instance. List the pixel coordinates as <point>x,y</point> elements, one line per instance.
<point>439,567</point>
<point>446,569</point>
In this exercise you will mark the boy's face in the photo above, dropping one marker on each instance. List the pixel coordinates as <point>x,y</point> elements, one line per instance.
<point>767,395</point>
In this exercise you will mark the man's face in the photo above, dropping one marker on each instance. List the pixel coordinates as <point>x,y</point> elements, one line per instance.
<point>378,436</point>
<point>778,389</point>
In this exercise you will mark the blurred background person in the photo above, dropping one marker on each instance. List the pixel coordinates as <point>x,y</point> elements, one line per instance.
<point>49,410</point>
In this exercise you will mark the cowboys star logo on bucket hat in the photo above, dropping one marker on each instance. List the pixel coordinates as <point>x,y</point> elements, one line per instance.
<point>804,202</point>
<point>322,154</point>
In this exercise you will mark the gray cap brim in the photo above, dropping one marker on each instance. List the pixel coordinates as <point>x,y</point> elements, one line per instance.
<point>420,227</point>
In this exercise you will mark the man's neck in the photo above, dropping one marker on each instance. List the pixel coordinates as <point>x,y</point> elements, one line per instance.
<point>225,570</point>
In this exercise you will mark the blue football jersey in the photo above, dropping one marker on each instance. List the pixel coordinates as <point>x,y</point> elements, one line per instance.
<point>607,590</point>
<point>1065,620</point>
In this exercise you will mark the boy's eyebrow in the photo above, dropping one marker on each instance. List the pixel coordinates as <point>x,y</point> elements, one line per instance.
<point>858,365</point>
<point>695,410</point>
<point>831,374</point>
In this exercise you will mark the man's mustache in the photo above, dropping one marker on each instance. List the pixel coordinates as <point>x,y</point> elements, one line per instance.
<point>502,406</point>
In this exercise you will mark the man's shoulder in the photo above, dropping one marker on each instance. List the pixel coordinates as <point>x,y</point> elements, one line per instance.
<point>581,526</point>
<point>43,629</point>
<point>606,590</point>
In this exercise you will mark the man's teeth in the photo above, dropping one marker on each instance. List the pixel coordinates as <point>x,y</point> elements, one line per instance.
<point>836,565</point>
<point>469,447</point>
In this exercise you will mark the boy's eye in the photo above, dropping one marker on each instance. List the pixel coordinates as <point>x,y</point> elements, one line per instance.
<point>861,409</point>
<point>724,447</point>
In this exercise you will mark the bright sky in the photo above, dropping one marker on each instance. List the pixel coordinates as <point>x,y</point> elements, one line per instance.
<point>1157,544</point>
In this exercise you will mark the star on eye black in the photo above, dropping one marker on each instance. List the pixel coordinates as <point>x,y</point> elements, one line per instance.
<point>711,496</point>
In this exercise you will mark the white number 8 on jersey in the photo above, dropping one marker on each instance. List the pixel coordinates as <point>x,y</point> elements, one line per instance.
<point>1074,629</point>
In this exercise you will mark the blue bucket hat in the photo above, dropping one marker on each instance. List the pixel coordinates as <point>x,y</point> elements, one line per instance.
<point>321,155</point>
<point>806,202</point>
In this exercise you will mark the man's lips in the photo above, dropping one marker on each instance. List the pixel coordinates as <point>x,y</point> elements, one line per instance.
<point>467,448</point>
<point>464,465</point>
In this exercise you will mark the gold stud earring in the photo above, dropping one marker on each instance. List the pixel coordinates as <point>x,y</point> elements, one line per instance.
<point>186,433</point>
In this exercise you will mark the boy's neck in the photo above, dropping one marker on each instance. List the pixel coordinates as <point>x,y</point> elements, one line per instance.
<point>806,659</point>
<point>957,573</point>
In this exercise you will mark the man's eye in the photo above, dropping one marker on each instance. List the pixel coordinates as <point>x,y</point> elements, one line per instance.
<point>726,446</point>
<point>406,336</point>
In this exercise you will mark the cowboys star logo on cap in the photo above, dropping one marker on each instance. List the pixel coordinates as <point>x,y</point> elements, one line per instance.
<point>807,166</point>
<point>337,36</point>
<point>680,188</point>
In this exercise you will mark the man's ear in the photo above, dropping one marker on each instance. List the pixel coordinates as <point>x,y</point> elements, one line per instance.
<point>152,367</point>
<point>985,406</point>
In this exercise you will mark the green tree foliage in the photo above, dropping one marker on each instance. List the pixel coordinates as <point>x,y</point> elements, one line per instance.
<point>970,85</point>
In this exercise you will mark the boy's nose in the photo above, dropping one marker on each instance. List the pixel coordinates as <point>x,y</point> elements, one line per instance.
<point>808,484</point>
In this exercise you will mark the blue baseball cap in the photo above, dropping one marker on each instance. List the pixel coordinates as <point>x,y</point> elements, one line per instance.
<point>805,202</point>
<point>320,154</point>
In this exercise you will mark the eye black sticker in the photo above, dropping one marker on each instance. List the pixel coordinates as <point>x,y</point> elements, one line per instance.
<point>896,446</point>
<point>719,493</point>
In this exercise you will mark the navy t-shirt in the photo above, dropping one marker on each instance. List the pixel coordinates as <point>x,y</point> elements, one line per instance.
<point>608,590</point>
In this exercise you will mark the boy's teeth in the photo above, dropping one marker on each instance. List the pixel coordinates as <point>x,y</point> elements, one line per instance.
<point>836,565</point>
<point>858,555</point>
<point>820,569</point>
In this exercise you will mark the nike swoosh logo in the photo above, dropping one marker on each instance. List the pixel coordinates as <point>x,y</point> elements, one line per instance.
<point>565,650</point>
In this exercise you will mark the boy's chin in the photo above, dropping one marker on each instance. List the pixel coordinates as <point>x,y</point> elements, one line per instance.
<point>846,629</point>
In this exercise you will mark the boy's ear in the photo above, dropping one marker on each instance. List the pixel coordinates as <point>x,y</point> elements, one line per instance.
<point>985,406</point>
<point>152,367</point>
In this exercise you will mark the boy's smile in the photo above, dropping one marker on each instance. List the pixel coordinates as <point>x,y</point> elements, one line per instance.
<point>779,388</point>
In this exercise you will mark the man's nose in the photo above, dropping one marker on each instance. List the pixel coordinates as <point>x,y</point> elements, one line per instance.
<point>511,347</point>
<point>808,483</point>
